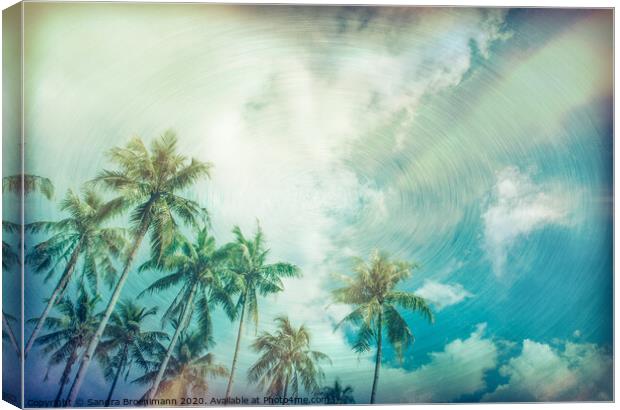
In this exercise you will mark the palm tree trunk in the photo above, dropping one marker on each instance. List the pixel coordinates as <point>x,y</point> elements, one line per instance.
<point>65,376</point>
<point>117,375</point>
<point>180,328</point>
<point>286,386</point>
<point>56,295</point>
<point>236,354</point>
<point>378,358</point>
<point>11,335</point>
<point>94,342</point>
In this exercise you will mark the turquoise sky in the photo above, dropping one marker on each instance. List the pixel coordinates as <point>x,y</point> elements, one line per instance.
<point>477,142</point>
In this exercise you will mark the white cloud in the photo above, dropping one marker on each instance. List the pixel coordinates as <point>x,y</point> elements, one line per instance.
<point>457,370</point>
<point>543,373</point>
<point>518,207</point>
<point>443,295</point>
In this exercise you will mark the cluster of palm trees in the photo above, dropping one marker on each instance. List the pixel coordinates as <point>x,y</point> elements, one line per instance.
<point>197,275</point>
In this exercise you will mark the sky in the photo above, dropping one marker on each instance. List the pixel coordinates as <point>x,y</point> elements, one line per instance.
<point>475,142</point>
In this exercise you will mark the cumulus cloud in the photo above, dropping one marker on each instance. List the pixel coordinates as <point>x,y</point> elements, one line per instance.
<point>443,295</point>
<point>543,373</point>
<point>456,370</point>
<point>518,207</point>
<point>540,372</point>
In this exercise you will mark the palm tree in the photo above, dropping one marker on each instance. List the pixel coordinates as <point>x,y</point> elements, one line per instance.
<point>30,183</point>
<point>253,276</point>
<point>336,394</point>
<point>371,290</point>
<point>79,236</point>
<point>17,184</point>
<point>126,343</point>
<point>148,182</point>
<point>188,369</point>
<point>286,359</point>
<point>69,332</point>
<point>200,269</point>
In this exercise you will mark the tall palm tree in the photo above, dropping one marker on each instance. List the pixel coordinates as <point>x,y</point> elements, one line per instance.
<point>18,184</point>
<point>337,394</point>
<point>188,370</point>
<point>126,343</point>
<point>253,276</point>
<point>69,332</point>
<point>371,290</point>
<point>80,236</point>
<point>148,182</point>
<point>286,360</point>
<point>201,269</point>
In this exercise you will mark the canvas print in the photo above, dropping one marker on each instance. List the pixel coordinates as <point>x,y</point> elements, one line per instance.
<point>218,204</point>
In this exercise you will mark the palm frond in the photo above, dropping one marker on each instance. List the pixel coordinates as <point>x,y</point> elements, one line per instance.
<point>411,302</point>
<point>398,331</point>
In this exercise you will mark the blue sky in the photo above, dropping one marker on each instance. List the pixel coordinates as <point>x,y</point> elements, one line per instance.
<point>476,142</point>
